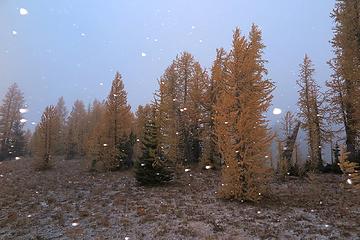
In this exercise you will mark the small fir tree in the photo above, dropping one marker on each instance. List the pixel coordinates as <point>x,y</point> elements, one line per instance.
<point>150,169</point>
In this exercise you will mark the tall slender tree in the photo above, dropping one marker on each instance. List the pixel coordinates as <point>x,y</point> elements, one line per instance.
<point>109,143</point>
<point>311,112</point>
<point>241,129</point>
<point>344,85</point>
<point>76,131</point>
<point>63,114</point>
<point>210,154</point>
<point>45,135</point>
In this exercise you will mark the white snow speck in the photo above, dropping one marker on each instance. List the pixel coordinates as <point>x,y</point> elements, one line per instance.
<point>1,175</point>
<point>187,169</point>
<point>14,32</point>
<point>83,34</point>
<point>349,181</point>
<point>23,110</point>
<point>29,216</point>
<point>143,54</point>
<point>208,167</point>
<point>193,27</point>
<point>23,11</point>
<point>23,120</point>
<point>33,123</point>
<point>17,158</point>
<point>127,238</point>
<point>200,41</point>
<point>277,111</point>
<point>101,84</point>
<point>74,224</point>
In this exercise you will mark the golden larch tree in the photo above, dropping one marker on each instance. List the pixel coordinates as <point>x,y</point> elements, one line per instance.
<point>344,93</point>
<point>112,133</point>
<point>76,131</point>
<point>241,128</point>
<point>45,136</point>
<point>210,153</point>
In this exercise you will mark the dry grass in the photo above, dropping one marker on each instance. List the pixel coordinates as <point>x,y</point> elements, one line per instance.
<point>43,205</point>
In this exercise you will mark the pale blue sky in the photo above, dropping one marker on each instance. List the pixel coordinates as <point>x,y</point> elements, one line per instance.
<point>69,47</point>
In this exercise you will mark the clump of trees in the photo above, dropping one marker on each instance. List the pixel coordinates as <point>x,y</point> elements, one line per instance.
<point>215,119</point>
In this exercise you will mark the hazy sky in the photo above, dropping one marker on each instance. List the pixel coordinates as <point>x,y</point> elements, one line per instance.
<point>72,48</point>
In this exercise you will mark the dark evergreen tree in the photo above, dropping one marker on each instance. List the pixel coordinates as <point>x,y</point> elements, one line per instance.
<point>19,141</point>
<point>150,168</point>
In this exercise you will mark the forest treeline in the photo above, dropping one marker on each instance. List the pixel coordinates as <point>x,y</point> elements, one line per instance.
<point>214,118</point>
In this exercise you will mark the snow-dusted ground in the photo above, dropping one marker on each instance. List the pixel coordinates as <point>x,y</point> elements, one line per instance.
<point>70,203</point>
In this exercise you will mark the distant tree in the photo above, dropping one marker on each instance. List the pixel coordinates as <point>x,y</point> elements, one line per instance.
<point>287,152</point>
<point>311,113</point>
<point>9,115</point>
<point>62,114</point>
<point>94,118</point>
<point>76,131</point>
<point>18,140</point>
<point>344,86</point>
<point>151,168</point>
<point>28,136</point>
<point>45,137</point>
<point>241,129</point>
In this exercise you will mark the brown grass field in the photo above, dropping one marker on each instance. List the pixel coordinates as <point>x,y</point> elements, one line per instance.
<point>67,202</point>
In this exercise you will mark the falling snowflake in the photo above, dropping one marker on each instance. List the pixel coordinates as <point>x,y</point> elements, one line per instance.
<point>127,238</point>
<point>83,34</point>
<point>23,120</point>
<point>208,167</point>
<point>193,27</point>
<point>143,54</point>
<point>23,110</point>
<point>29,216</point>
<point>74,224</point>
<point>14,32</point>
<point>23,11</point>
<point>17,158</point>
<point>277,111</point>
<point>101,84</point>
<point>33,123</point>
<point>187,169</point>
<point>349,181</point>
<point>105,145</point>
